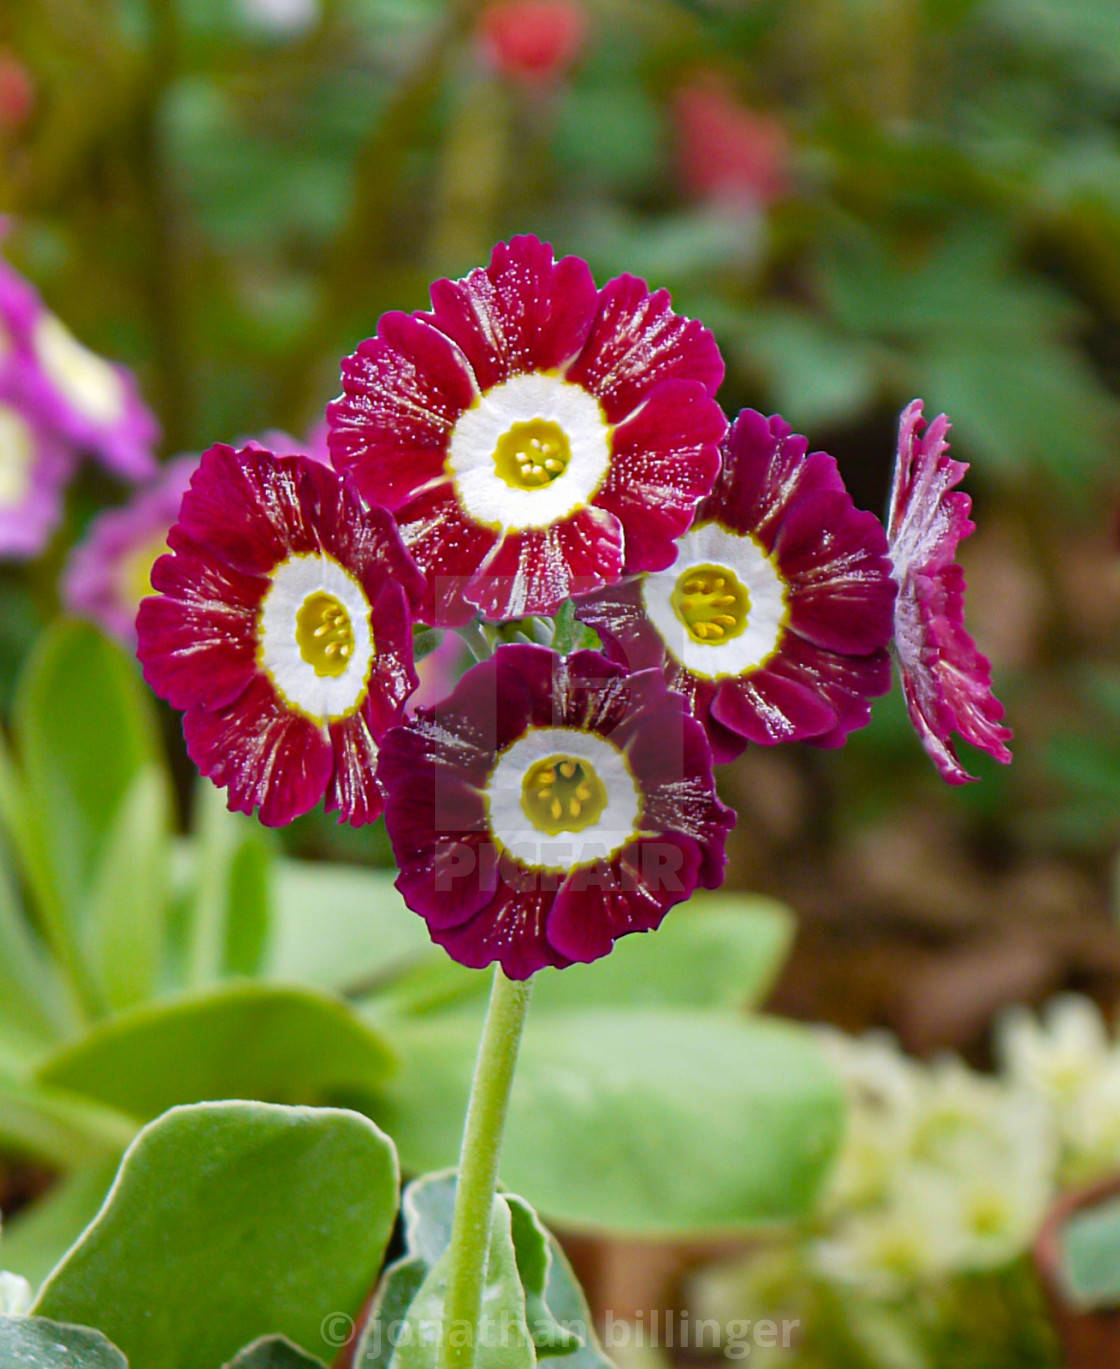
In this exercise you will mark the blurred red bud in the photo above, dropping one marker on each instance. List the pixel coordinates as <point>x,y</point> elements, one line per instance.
<point>727,151</point>
<point>17,91</point>
<point>535,41</point>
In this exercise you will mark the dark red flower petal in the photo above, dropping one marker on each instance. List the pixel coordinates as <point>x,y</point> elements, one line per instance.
<point>664,460</point>
<point>537,569</point>
<point>265,755</point>
<point>353,790</point>
<point>635,342</point>
<point>524,312</point>
<point>598,904</point>
<point>402,394</point>
<point>448,546</point>
<point>197,633</point>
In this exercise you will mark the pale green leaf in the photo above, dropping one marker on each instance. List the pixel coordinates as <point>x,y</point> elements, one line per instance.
<point>37,1343</point>
<point>637,1120</point>
<point>229,1222</point>
<point>242,1040</point>
<point>128,901</point>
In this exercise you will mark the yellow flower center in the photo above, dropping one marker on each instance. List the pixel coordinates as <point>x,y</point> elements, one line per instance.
<point>324,634</point>
<point>532,455</point>
<point>562,794</point>
<point>711,603</point>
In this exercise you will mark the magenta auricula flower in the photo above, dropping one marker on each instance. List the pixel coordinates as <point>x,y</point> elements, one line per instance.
<point>774,620</point>
<point>535,436</point>
<point>35,467</point>
<point>109,571</point>
<point>549,806</point>
<point>283,626</point>
<point>93,404</point>
<point>945,679</point>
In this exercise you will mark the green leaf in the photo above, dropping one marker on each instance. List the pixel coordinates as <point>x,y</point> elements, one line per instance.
<point>37,1238</point>
<point>128,903</point>
<point>637,1121</point>
<point>342,927</point>
<point>715,951</point>
<point>36,1343</point>
<point>84,728</point>
<point>409,1308</point>
<point>554,1309</point>
<point>32,1008</point>
<point>236,1041</point>
<point>229,917</point>
<point>1090,1256</point>
<point>274,1352</point>
<point>228,1222</point>
<point>534,1260</point>
<point>58,1126</point>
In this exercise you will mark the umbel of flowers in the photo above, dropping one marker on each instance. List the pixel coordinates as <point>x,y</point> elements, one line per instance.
<point>542,464</point>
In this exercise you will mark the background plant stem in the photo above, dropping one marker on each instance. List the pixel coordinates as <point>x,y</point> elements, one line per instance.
<point>478,1166</point>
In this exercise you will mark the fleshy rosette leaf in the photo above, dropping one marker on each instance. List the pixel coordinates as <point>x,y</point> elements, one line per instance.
<point>528,1279</point>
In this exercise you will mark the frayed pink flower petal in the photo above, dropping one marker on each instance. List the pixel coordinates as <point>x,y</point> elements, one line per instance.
<point>637,341</point>
<point>524,312</point>
<point>536,570</point>
<point>946,681</point>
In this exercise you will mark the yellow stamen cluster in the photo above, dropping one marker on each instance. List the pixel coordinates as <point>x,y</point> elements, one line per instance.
<point>711,603</point>
<point>532,455</point>
<point>562,794</point>
<point>324,634</point>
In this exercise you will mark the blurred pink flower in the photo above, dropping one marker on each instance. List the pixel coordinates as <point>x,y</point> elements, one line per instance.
<point>726,151</point>
<point>535,41</point>
<point>109,570</point>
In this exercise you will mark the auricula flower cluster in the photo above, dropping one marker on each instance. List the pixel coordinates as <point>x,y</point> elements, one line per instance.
<point>535,447</point>
<point>58,402</point>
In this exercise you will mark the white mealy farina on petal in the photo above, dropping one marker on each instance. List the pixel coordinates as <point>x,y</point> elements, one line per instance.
<point>86,380</point>
<point>491,499</point>
<point>510,824</point>
<point>711,545</point>
<point>294,582</point>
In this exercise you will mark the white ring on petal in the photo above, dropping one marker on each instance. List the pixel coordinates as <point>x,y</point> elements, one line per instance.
<point>510,825</point>
<point>714,545</point>
<point>323,698</point>
<point>84,379</point>
<point>474,439</point>
<point>17,457</point>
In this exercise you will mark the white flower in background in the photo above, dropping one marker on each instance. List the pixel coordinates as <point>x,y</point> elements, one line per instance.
<point>1090,1129</point>
<point>1059,1054</point>
<point>15,1295</point>
<point>883,1088</point>
<point>281,16</point>
<point>911,1239</point>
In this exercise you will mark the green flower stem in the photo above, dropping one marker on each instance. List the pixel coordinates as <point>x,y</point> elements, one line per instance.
<point>478,1167</point>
